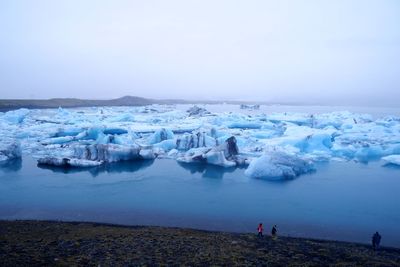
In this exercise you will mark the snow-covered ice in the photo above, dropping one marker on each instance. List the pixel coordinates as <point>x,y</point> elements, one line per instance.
<point>277,165</point>
<point>392,159</point>
<point>275,144</point>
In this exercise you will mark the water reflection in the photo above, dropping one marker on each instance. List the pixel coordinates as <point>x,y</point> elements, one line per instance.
<point>207,170</point>
<point>13,165</point>
<point>391,166</point>
<point>114,167</point>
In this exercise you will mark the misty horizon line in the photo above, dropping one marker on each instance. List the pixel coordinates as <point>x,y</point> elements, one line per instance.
<point>208,101</point>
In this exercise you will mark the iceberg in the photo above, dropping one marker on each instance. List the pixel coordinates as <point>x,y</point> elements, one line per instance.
<point>107,152</point>
<point>392,159</point>
<point>193,134</point>
<point>16,116</point>
<point>68,162</point>
<point>245,125</point>
<point>225,155</point>
<point>197,111</point>
<point>166,145</point>
<point>194,140</point>
<point>161,135</point>
<point>62,132</point>
<point>115,130</point>
<point>9,149</point>
<point>277,165</point>
<point>125,117</point>
<point>147,154</point>
<point>218,158</point>
<point>315,142</point>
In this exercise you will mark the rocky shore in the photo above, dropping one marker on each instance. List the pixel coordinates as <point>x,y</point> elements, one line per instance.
<point>44,243</point>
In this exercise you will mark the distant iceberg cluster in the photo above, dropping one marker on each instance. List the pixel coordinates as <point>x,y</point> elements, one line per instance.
<point>270,146</point>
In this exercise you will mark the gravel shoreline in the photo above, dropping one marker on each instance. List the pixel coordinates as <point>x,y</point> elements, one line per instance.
<point>49,243</point>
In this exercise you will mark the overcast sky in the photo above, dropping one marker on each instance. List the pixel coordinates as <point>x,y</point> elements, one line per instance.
<point>302,51</point>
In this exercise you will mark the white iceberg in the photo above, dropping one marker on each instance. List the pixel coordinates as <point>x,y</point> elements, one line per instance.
<point>392,159</point>
<point>278,165</point>
<point>109,134</point>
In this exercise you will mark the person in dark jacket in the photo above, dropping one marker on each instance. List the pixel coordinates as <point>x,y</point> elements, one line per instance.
<point>274,232</point>
<point>376,240</point>
<point>260,230</point>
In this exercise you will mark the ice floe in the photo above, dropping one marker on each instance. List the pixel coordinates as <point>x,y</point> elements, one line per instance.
<point>277,165</point>
<point>392,159</point>
<point>274,144</point>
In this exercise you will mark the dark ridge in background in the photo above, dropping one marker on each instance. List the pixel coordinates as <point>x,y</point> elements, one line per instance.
<point>10,104</point>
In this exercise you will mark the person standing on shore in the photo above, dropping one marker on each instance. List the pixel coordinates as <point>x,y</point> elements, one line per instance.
<point>260,230</point>
<point>274,232</point>
<point>376,240</point>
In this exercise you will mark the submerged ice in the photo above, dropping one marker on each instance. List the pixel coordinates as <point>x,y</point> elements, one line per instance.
<point>272,145</point>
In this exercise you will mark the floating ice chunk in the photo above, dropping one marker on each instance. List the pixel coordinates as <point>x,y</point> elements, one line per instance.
<point>218,158</point>
<point>194,155</point>
<point>125,139</point>
<point>115,130</point>
<point>125,117</point>
<point>250,107</point>
<point>173,153</point>
<point>161,135</point>
<point>166,145</point>
<point>16,116</point>
<point>147,154</point>
<point>277,165</point>
<point>368,152</point>
<point>392,159</point>
<point>305,139</point>
<point>59,140</point>
<point>197,111</point>
<point>72,131</point>
<point>392,149</point>
<point>104,139</point>
<point>224,155</point>
<point>215,133</point>
<point>62,112</point>
<point>9,149</point>
<point>68,162</point>
<point>299,119</point>
<point>194,140</point>
<point>346,151</point>
<point>92,133</point>
<point>107,153</point>
<point>245,124</point>
<point>263,134</point>
<point>315,142</point>
<point>230,148</point>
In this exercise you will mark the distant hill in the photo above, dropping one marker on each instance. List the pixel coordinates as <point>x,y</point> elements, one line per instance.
<point>9,104</point>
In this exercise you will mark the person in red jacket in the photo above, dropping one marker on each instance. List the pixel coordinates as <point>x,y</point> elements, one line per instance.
<point>260,230</point>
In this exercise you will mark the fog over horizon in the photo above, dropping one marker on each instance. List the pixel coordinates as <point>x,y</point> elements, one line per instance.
<point>344,52</point>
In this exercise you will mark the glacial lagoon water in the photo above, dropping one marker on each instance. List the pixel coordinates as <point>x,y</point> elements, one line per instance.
<point>340,201</point>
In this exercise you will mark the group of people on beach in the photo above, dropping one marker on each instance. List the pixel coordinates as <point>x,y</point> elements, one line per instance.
<point>274,231</point>
<point>376,238</point>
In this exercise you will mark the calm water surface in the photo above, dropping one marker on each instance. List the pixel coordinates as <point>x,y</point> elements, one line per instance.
<point>341,200</point>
